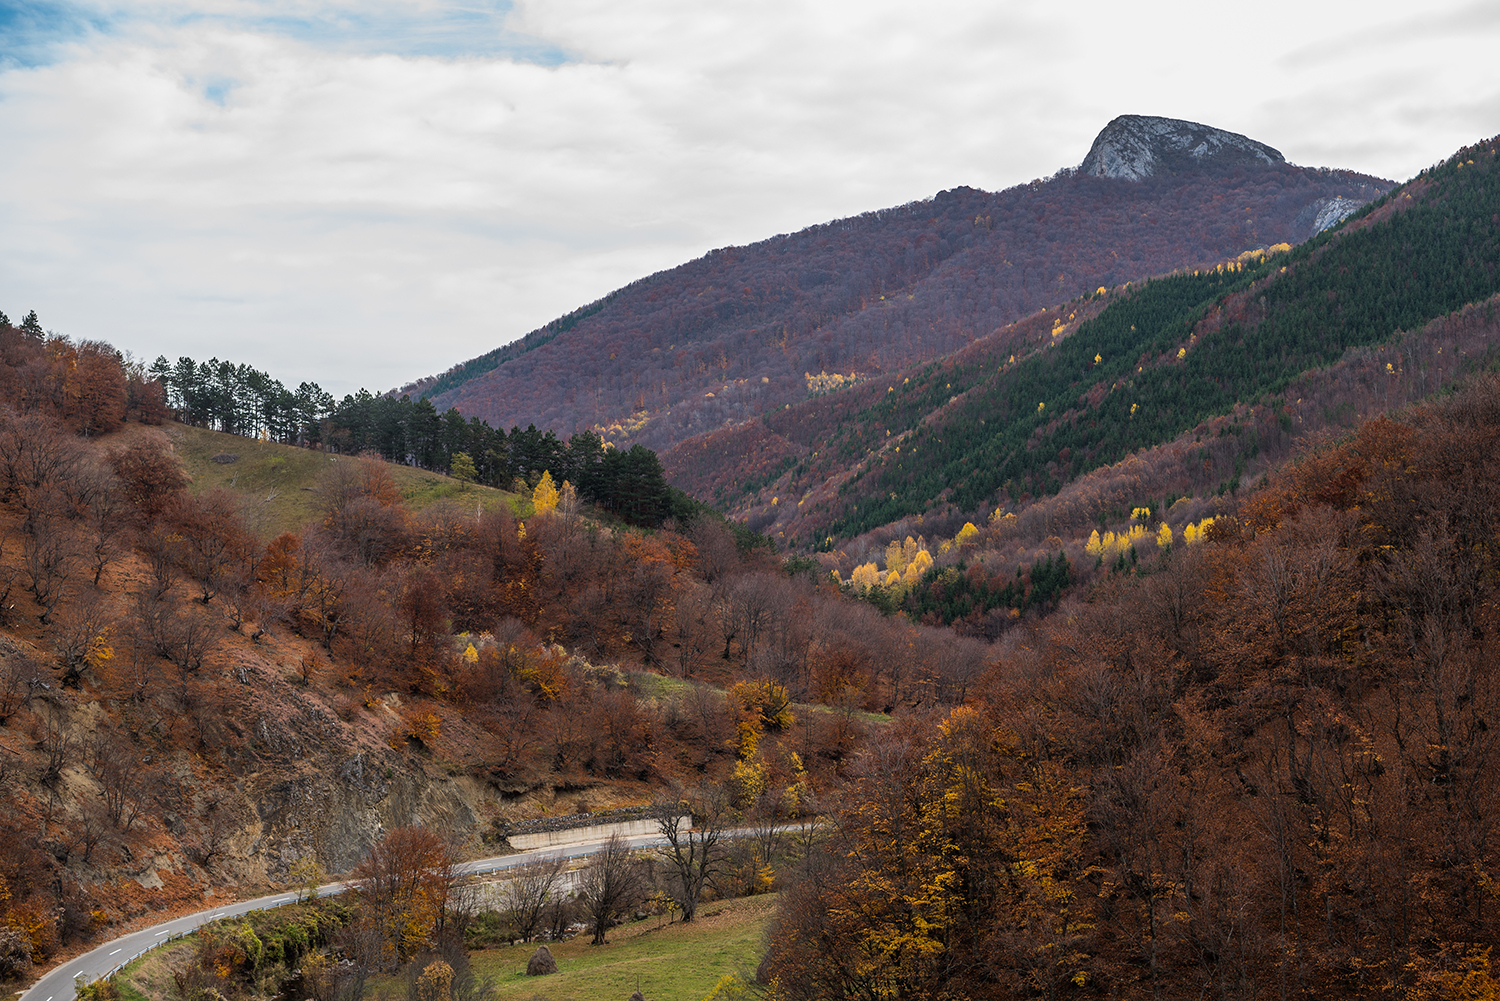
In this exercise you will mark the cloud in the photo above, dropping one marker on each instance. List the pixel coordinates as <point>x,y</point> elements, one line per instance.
<point>363,193</point>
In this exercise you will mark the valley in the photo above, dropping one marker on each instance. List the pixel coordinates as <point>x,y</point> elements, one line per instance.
<point>1130,634</point>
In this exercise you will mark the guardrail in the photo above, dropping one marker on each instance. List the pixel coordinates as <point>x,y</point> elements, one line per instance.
<point>329,890</point>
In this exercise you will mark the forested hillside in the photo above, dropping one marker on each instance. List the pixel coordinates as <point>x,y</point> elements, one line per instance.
<point>738,332</point>
<point>1143,647</point>
<point>1017,416</point>
<point>187,707</point>
<point>1259,766</point>
<point>241,400</point>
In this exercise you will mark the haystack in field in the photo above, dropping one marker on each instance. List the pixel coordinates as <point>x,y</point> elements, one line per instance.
<point>541,962</point>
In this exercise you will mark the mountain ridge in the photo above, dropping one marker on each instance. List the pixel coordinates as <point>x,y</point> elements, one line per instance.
<point>740,331</point>
<point>1020,414</point>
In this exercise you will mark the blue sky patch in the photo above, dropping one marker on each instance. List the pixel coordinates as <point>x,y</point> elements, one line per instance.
<point>33,32</point>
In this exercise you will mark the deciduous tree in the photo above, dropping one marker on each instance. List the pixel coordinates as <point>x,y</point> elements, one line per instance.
<point>405,883</point>
<point>610,883</point>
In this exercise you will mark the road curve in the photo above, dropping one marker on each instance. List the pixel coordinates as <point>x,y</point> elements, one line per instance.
<point>57,984</point>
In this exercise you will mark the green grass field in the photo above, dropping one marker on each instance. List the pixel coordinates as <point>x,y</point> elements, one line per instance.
<point>279,482</point>
<point>675,962</point>
<point>668,962</point>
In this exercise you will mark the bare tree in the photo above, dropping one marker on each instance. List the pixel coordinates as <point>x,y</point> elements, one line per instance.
<point>611,882</point>
<point>12,688</point>
<point>35,456</point>
<point>171,631</point>
<point>47,557</point>
<point>529,891</point>
<point>105,521</point>
<point>214,841</point>
<point>214,541</point>
<point>693,852</point>
<point>84,836</point>
<point>117,768</point>
<point>58,747</point>
<point>80,636</point>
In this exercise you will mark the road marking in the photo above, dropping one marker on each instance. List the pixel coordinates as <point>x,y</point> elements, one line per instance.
<point>117,950</point>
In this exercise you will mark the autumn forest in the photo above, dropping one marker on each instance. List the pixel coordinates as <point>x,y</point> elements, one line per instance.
<point>1133,637</point>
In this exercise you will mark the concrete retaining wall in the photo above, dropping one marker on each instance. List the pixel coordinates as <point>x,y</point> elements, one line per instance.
<point>597,832</point>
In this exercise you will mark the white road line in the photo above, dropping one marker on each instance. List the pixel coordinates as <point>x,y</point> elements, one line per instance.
<point>117,950</point>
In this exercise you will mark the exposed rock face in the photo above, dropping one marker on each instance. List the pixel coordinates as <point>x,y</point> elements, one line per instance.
<point>541,963</point>
<point>337,817</point>
<point>1334,211</point>
<point>1134,147</point>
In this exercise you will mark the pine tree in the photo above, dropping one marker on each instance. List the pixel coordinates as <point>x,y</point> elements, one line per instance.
<point>32,327</point>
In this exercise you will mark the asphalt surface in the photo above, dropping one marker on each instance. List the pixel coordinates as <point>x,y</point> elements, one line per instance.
<point>57,984</point>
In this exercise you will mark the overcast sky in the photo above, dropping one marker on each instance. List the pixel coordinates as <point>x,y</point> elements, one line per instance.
<point>363,192</point>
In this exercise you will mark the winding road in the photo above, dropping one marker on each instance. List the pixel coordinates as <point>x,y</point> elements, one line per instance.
<point>57,984</point>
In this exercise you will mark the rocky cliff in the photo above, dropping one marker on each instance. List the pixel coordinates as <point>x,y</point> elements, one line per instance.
<point>1134,147</point>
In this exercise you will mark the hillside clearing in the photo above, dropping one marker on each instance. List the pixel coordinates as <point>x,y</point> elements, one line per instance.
<point>279,482</point>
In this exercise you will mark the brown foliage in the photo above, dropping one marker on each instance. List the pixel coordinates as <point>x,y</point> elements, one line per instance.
<point>1283,745</point>
<point>149,476</point>
<point>405,884</point>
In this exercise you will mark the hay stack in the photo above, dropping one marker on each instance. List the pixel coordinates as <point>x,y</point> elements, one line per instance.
<point>541,963</point>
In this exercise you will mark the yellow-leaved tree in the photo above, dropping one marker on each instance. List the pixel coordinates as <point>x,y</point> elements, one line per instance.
<point>1164,536</point>
<point>920,564</point>
<point>544,497</point>
<point>865,576</point>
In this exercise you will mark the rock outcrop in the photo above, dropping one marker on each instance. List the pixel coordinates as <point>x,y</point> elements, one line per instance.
<point>1334,211</point>
<point>1134,147</point>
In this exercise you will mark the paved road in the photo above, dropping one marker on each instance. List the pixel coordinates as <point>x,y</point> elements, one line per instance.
<point>57,985</point>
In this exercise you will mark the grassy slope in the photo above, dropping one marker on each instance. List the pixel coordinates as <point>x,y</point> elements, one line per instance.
<point>673,962</point>
<point>279,482</point>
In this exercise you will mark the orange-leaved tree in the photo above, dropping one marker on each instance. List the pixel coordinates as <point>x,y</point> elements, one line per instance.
<point>405,885</point>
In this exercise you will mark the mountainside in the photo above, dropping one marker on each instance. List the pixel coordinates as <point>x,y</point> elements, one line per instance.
<point>1021,413</point>
<point>1136,733</point>
<point>747,330</point>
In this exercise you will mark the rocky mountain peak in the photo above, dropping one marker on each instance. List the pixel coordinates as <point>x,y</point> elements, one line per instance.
<point>1135,147</point>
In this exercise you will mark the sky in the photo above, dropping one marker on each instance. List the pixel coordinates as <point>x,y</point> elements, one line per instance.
<point>364,192</point>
